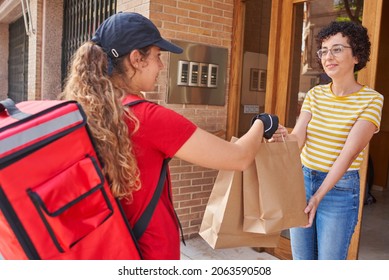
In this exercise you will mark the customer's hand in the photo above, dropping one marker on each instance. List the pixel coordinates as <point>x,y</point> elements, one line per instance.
<point>311,208</point>
<point>280,134</point>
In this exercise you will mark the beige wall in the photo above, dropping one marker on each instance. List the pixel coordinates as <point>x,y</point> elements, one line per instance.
<point>35,52</point>
<point>44,58</point>
<point>51,48</point>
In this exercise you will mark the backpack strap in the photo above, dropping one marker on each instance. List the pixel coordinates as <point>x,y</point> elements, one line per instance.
<point>13,111</point>
<point>142,223</point>
<point>133,103</point>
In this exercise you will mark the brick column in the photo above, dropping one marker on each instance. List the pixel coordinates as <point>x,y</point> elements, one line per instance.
<point>4,41</point>
<point>52,27</point>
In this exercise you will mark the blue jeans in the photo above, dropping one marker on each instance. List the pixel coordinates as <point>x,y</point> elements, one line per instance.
<point>336,217</point>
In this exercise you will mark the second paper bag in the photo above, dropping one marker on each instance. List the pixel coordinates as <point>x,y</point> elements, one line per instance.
<point>273,189</point>
<point>222,224</point>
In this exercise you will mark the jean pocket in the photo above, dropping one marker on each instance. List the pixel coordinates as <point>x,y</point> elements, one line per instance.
<point>347,184</point>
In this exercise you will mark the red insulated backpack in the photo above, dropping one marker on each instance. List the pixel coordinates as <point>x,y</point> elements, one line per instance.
<point>54,200</point>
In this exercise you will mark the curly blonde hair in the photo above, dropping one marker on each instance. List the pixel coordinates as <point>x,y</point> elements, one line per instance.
<point>89,84</point>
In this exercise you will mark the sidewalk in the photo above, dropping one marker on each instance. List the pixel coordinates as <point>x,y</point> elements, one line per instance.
<point>197,249</point>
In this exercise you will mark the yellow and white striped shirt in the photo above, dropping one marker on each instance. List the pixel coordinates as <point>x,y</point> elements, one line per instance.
<point>332,119</point>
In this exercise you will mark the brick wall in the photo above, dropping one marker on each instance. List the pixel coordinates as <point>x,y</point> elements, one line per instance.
<point>138,6</point>
<point>206,22</point>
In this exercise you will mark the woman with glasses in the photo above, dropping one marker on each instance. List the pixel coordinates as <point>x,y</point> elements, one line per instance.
<point>336,123</point>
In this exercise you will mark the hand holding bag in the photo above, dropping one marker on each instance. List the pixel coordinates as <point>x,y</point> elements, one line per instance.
<point>222,224</point>
<point>273,189</point>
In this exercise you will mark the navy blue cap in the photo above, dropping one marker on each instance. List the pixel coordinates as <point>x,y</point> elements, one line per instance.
<point>122,33</point>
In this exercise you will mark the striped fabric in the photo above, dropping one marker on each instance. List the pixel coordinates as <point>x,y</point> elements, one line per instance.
<point>332,119</point>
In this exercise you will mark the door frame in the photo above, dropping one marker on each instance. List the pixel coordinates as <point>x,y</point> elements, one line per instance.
<point>276,102</point>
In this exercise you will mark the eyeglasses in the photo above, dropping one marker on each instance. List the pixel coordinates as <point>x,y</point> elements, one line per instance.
<point>335,50</point>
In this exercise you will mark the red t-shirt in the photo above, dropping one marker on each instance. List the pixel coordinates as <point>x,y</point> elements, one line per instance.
<point>161,134</point>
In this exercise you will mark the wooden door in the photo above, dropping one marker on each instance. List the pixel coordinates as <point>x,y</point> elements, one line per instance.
<point>379,148</point>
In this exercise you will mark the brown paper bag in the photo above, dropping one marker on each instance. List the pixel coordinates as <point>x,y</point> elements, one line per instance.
<point>222,224</point>
<point>273,189</point>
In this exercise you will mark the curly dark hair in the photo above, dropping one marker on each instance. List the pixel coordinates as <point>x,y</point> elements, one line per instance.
<point>357,38</point>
